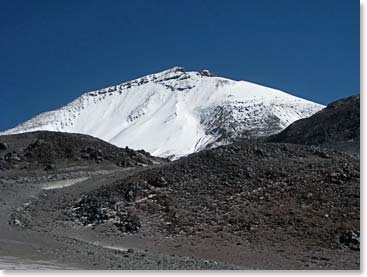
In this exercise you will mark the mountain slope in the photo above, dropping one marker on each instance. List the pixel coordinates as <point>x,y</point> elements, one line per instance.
<point>263,206</point>
<point>51,150</point>
<point>174,113</point>
<point>337,126</point>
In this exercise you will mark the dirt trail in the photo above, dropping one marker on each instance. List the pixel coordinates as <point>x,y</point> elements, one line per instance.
<point>23,249</point>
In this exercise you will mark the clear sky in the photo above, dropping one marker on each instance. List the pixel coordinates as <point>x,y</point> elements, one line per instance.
<point>53,51</point>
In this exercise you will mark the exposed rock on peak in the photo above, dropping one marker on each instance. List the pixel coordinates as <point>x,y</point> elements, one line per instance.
<point>207,73</point>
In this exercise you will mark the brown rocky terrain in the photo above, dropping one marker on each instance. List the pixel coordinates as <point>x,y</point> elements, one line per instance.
<point>78,202</point>
<point>281,198</point>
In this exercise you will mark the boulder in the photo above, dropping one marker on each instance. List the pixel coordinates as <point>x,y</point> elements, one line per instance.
<point>3,146</point>
<point>350,239</point>
<point>207,73</point>
<point>50,166</point>
<point>89,153</point>
<point>12,156</point>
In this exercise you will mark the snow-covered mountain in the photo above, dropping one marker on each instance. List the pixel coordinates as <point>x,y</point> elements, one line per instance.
<point>174,112</point>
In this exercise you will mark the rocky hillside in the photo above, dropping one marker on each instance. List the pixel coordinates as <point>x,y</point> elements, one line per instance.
<point>50,150</point>
<point>263,196</point>
<point>337,126</point>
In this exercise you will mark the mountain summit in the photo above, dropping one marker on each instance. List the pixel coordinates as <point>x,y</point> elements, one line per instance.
<point>175,112</point>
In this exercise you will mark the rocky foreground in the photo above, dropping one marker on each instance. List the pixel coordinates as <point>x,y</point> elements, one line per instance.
<point>77,202</point>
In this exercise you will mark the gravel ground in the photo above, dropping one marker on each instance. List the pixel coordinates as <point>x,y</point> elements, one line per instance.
<point>72,201</point>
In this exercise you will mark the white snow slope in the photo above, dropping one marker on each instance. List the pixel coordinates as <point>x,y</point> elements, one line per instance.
<point>174,113</point>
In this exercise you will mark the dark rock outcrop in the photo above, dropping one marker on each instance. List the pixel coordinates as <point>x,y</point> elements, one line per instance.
<point>3,146</point>
<point>43,148</point>
<point>350,239</point>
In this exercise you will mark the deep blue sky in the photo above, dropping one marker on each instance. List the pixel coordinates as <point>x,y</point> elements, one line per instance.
<point>52,51</point>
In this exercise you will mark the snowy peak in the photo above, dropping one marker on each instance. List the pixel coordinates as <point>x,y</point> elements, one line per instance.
<point>174,112</point>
